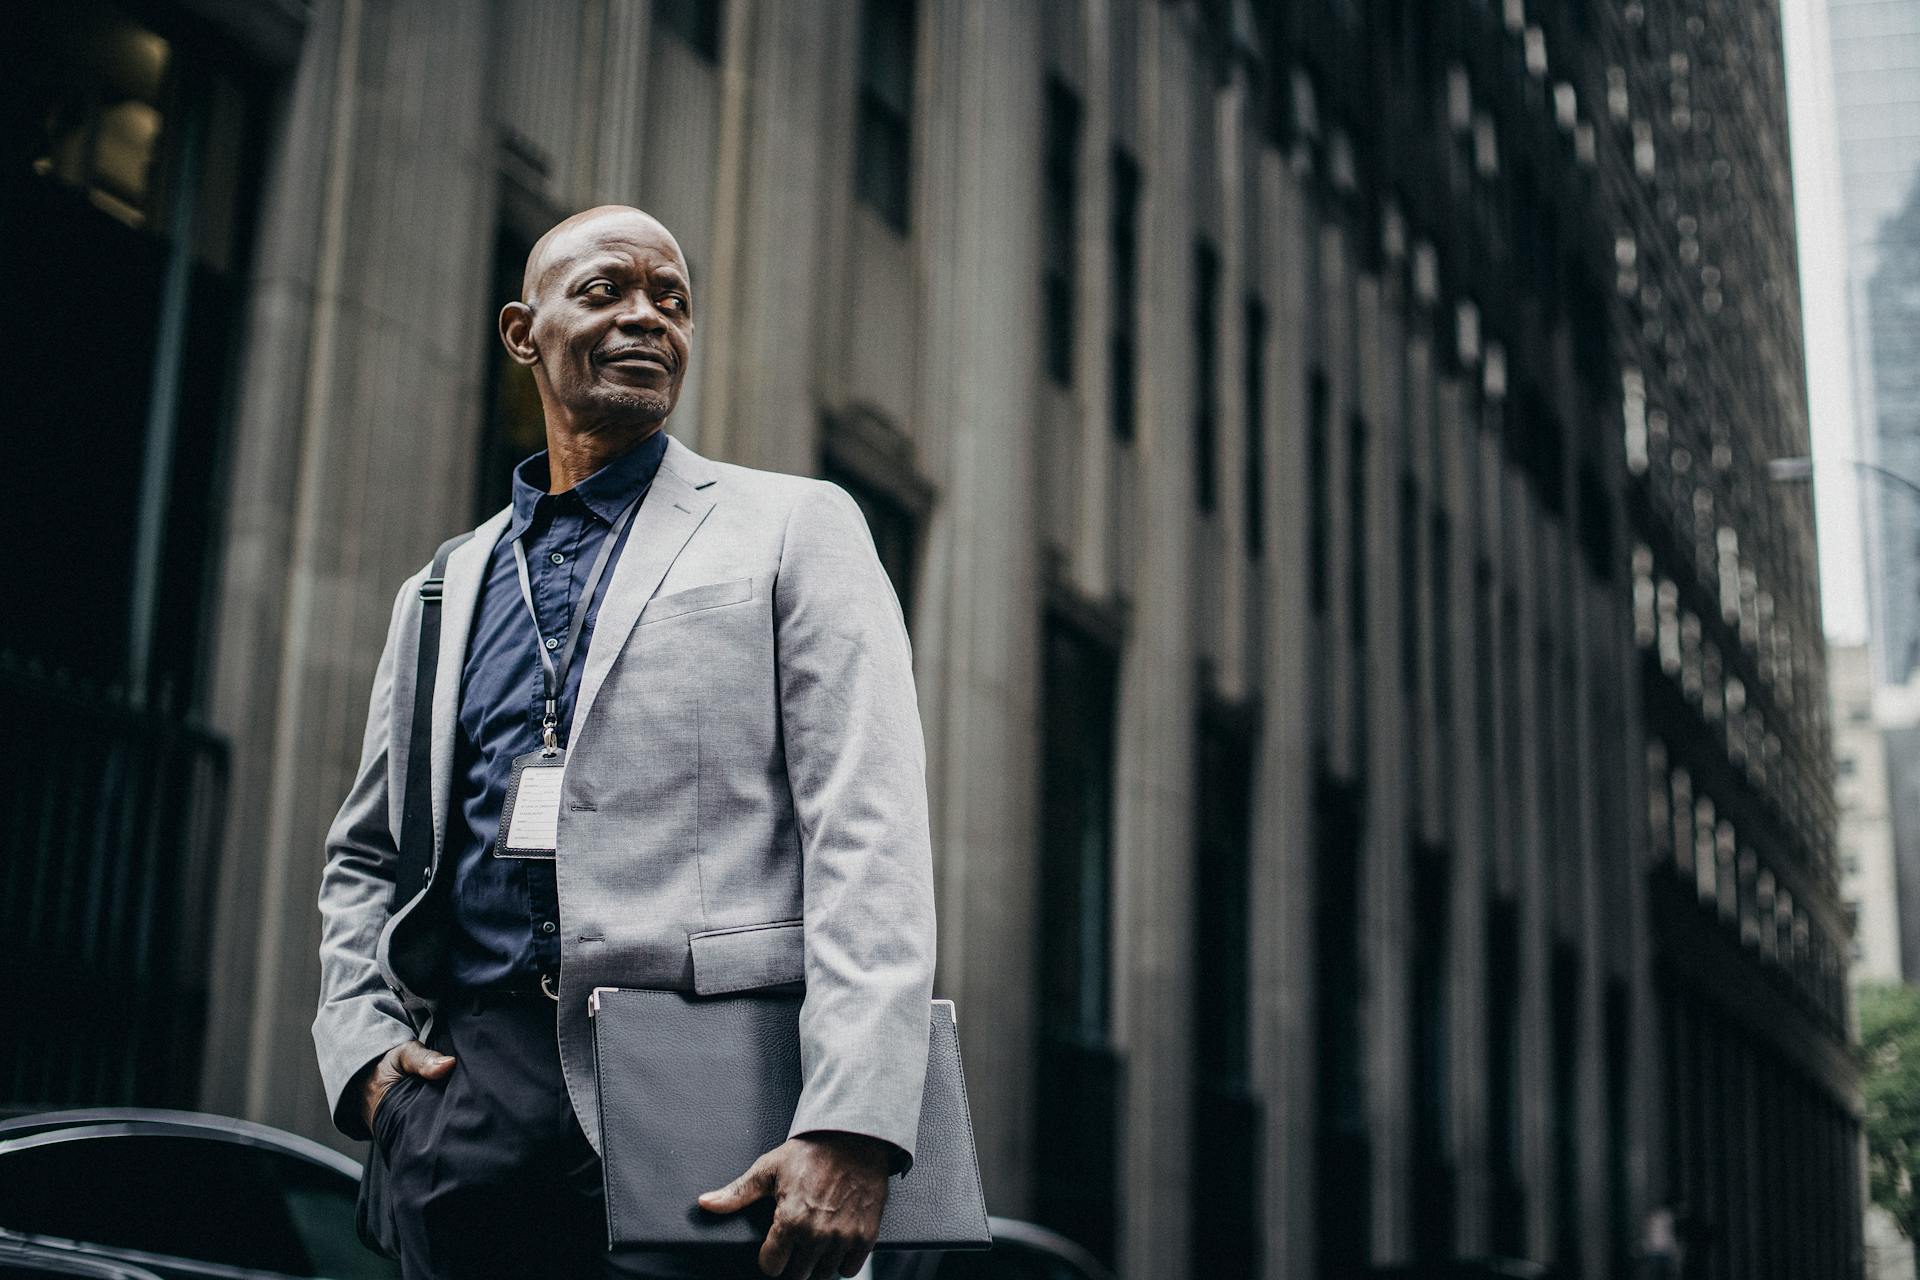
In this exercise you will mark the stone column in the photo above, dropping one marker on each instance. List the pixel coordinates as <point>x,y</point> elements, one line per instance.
<point>764,316</point>
<point>1282,872</point>
<point>355,454</point>
<point>1153,817</point>
<point>978,659</point>
<point>620,131</point>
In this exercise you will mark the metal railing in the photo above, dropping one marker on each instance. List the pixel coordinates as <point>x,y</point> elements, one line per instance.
<point>110,820</point>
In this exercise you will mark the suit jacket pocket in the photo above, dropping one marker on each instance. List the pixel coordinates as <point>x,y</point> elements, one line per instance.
<point>711,596</point>
<point>747,956</point>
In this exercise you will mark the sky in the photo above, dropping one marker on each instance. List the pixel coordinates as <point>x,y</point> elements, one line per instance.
<point>1823,276</point>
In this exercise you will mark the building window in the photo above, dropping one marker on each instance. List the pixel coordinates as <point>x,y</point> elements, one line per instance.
<point>873,460</point>
<point>1409,570</point>
<point>1566,1107</point>
<point>697,22</point>
<point>1078,1072</point>
<point>1504,1128</point>
<point>893,527</point>
<point>882,163</point>
<point>1124,246</point>
<point>1429,978</point>
<point>1343,1149</point>
<point>1441,575</point>
<point>1256,411</point>
<point>127,195</point>
<point>1684,809</point>
<point>1318,517</point>
<point>1206,333</point>
<point>1547,718</point>
<point>1659,806</point>
<point>1596,520</point>
<point>516,424</point>
<point>129,177</point>
<point>1486,623</point>
<point>1060,228</point>
<point>1357,529</point>
<point>1618,1029</point>
<point>1228,1142</point>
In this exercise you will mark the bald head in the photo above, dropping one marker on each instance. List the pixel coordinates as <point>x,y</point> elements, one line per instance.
<point>570,238</point>
<point>605,322</point>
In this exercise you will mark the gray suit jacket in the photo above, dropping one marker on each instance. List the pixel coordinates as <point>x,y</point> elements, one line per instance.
<point>744,803</point>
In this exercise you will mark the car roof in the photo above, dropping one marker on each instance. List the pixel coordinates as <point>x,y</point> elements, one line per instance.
<point>1039,1237</point>
<point>26,1257</point>
<point>82,1123</point>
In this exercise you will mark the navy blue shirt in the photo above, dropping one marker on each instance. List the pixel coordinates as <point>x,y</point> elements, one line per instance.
<point>506,911</point>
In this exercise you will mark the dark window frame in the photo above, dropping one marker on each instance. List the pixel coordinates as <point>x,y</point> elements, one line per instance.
<point>1357,531</point>
<point>1228,1122</point>
<point>1060,228</point>
<point>1123,245</point>
<point>513,424</point>
<point>869,456</point>
<point>699,24</point>
<point>1078,1071</point>
<point>1343,1148</point>
<point>883,146</point>
<point>1409,581</point>
<point>1430,1049</point>
<point>1206,375</point>
<point>1254,314</point>
<point>1319,499</point>
<point>164,402</point>
<point>1506,1156</point>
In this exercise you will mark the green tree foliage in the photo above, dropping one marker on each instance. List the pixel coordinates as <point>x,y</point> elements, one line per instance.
<point>1890,1082</point>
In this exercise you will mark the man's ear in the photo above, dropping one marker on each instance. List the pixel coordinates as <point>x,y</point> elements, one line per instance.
<point>516,332</point>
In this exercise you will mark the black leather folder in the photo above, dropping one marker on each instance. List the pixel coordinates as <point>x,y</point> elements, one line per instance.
<point>692,1091</point>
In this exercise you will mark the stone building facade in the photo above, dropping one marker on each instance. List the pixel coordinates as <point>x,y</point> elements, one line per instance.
<point>1863,792</point>
<point>1271,417</point>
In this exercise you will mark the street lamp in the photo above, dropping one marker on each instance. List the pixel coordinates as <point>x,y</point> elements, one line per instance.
<point>1794,470</point>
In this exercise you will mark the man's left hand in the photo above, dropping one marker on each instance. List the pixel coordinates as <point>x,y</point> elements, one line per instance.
<point>829,1188</point>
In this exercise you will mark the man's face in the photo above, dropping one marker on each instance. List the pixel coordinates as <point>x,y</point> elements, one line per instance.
<point>612,319</point>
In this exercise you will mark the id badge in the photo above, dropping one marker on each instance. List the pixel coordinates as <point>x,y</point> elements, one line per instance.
<point>530,821</point>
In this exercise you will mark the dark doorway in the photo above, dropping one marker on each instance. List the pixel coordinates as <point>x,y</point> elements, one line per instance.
<point>1078,1074</point>
<point>1228,1129</point>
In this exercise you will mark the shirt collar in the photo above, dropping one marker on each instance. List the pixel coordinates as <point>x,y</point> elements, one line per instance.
<point>606,492</point>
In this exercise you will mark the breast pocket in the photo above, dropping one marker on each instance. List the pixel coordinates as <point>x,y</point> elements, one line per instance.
<point>712,596</point>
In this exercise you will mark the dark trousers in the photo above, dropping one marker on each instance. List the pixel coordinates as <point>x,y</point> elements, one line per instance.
<point>486,1173</point>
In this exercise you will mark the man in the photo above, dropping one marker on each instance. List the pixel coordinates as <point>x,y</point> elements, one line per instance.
<point>714,661</point>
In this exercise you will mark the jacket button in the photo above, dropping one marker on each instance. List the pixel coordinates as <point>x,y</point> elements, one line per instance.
<point>426,877</point>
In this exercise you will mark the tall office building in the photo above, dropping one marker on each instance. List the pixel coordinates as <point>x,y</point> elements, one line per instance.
<point>1874,50</point>
<point>1375,709</point>
<point>1864,754</point>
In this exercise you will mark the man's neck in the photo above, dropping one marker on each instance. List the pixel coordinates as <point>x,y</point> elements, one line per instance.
<point>572,456</point>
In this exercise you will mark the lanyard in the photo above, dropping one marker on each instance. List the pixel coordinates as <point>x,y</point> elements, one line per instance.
<point>555,671</point>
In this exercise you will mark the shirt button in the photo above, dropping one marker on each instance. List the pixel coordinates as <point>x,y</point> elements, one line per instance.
<point>557,558</point>
<point>547,926</point>
<point>553,642</point>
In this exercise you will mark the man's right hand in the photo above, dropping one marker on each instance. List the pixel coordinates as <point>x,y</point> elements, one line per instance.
<point>409,1059</point>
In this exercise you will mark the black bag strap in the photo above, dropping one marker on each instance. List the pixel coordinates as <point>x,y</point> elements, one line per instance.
<point>416,816</point>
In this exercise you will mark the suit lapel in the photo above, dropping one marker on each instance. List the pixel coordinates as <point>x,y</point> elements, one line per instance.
<point>466,569</point>
<point>673,509</point>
